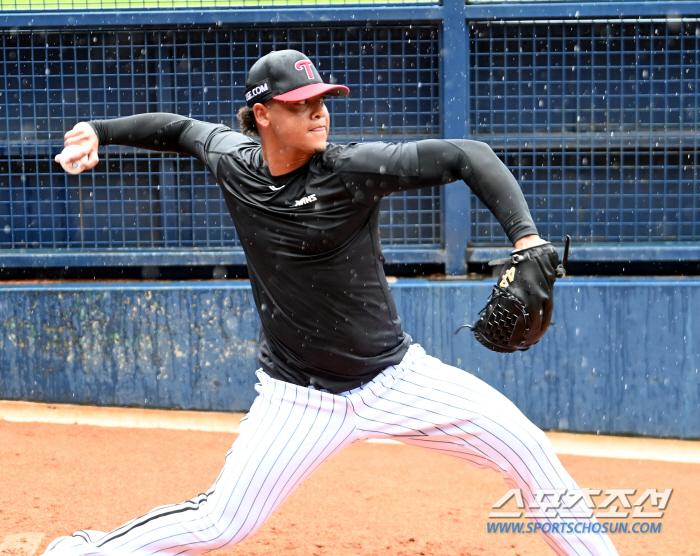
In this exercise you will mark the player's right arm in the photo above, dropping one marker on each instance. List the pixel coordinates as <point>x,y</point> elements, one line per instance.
<point>157,131</point>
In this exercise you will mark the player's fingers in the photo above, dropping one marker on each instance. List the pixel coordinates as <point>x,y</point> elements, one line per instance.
<point>73,155</point>
<point>93,159</point>
<point>72,133</point>
<point>57,158</point>
<point>79,139</point>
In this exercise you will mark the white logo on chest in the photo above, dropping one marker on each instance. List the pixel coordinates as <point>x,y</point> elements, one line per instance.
<point>305,200</point>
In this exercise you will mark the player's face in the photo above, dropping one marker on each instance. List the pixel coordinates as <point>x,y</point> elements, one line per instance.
<point>301,126</point>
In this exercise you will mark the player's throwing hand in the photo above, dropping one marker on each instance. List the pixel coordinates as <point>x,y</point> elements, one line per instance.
<point>80,151</point>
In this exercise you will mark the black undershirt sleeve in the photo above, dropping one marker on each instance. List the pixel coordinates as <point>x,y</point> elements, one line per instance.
<point>445,161</point>
<point>159,131</point>
<point>373,170</point>
<point>438,162</point>
<point>155,131</point>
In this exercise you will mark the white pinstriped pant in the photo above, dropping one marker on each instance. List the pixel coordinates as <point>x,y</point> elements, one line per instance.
<point>291,430</point>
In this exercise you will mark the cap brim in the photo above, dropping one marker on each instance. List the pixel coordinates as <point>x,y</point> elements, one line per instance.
<point>313,90</point>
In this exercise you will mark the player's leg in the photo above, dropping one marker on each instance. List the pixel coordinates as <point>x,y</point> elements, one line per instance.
<point>426,403</point>
<point>288,433</point>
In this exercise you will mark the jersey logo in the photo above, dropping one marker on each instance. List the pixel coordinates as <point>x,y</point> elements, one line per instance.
<point>305,200</point>
<point>276,188</point>
<point>305,65</point>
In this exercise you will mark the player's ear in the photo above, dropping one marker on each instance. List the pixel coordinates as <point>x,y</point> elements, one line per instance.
<point>262,115</point>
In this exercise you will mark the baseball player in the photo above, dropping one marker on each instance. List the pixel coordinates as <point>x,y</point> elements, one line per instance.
<point>336,365</point>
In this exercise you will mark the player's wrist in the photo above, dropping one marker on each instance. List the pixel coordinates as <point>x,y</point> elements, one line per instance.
<point>96,130</point>
<point>526,242</point>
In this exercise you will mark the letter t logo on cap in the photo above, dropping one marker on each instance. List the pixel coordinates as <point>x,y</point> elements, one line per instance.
<point>305,65</point>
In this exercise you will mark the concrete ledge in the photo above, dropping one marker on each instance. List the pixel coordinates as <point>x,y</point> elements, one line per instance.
<point>679,451</point>
<point>123,417</point>
<point>619,447</point>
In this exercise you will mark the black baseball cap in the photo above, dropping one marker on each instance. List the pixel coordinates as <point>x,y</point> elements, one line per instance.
<point>289,76</point>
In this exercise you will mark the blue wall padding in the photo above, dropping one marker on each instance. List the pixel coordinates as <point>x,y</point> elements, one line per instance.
<point>623,356</point>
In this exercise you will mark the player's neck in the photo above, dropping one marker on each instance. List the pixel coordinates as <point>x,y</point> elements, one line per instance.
<point>282,159</point>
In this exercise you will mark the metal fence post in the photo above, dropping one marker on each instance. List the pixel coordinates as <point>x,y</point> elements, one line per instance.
<point>169,191</point>
<point>455,110</point>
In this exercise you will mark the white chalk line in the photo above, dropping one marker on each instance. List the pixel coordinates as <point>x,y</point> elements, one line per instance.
<point>20,544</point>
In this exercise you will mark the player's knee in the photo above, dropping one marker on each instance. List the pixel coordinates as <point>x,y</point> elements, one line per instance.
<point>530,440</point>
<point>528,432</point>
<point>538,437</point>
<point>225,530</point>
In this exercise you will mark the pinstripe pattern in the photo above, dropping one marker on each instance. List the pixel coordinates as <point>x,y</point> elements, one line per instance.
<point>426,403</point>
<point>290,431</point>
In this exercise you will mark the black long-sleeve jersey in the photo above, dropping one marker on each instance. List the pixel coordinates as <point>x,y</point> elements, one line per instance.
<point>311,237</point>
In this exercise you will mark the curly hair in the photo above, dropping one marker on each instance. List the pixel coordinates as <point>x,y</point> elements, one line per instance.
<point>246,121</point>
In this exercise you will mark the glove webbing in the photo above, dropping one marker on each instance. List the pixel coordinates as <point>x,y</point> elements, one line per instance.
<point>501,322</point>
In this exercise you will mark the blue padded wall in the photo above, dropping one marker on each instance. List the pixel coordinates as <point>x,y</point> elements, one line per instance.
<point>623,357</point>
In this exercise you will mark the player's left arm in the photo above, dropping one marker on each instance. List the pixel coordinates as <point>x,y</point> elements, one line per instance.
<point>474,162</point>
<point>373,170</point>
<point>520,307</point>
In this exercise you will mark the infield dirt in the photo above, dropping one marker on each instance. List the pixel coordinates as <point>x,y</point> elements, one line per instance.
<point>372,499</point>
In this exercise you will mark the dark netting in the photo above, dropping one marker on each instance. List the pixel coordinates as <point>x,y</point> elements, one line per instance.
<point>186,4</point>
<point>52,80</point>
<point>598,121</point>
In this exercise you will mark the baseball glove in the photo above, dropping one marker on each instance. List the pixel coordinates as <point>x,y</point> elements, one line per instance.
<point>519,309</point>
